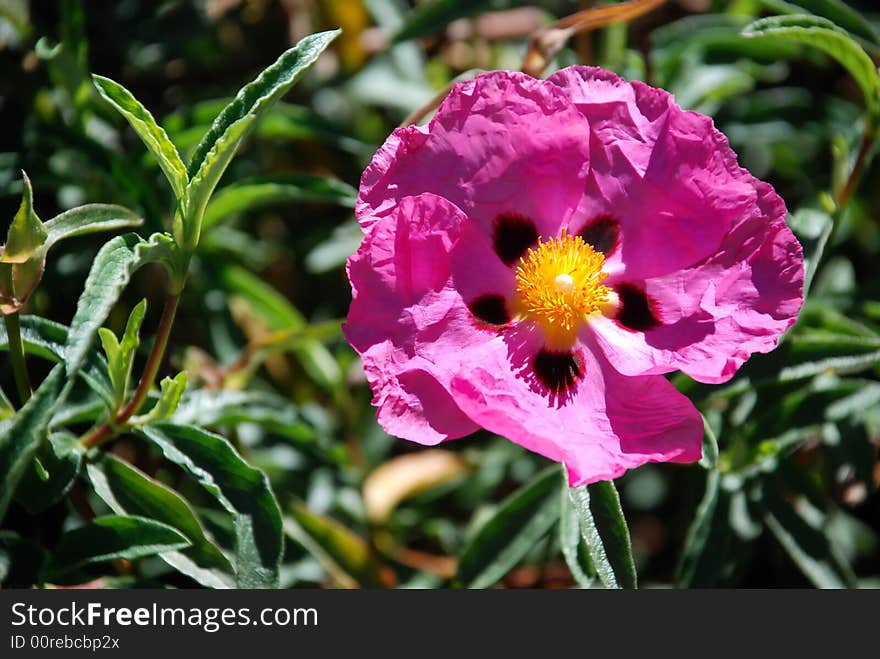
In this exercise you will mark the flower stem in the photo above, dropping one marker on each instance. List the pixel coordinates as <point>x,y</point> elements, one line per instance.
<point>154,361</point>
<point>16,354</point>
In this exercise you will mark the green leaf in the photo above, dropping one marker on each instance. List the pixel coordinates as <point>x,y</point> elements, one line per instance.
<point>112,537</point>
<point>574,549</point>
<point>700,561</point>
<point>151,134</point>
<point>129,491</point>
<point>218,146</point>
<point>434,16</point>
<point>111,271</point>
<point>808,546</point>
<point>170,392</point>
<point>120,356</point>
<point>259,192</point>
<point>344,555</point>
<point>605,532</point>
<point>840,365</point>
<point>241,489</point>
<point>27,234</point>
<point>22,435</point>
<point>278,313</point>
<point>90,219</point>
<point>710,447</point>
<point>826,36</point>
<point>61,460</point>
<point>519,523</point>
<point>835,11</point>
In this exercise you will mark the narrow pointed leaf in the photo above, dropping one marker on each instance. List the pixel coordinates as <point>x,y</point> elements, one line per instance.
<point>90,218</point>
<point>605,532</point>
<point>826,36</point>
<point>241,489</point>
<point>112,537</point>
<point>22,435</point>
<point>213,154</point>
<point>808,546</point>
<point>574,549</point>
<point>47,339</point>
<point>170,392</point>
<point>700,559</point>
<point>110,273</point>
<point>151,134</point>
<point>128,491</point>
<point>835,11</point>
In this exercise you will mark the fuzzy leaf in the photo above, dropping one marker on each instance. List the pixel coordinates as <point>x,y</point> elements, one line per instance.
<point>605,531</point>
<point>242,490</point>
<point>128,491</point>
<point>151,134</point>
<point>90,218</point>
<point>213,154</point>
<point>828,37</point>
<point>110,273</point>
<point>22,435</point>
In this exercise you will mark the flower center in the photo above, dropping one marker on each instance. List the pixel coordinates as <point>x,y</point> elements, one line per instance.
<point>559,284</point>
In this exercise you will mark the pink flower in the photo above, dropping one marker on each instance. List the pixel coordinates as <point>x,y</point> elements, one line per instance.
<point>544,250</point>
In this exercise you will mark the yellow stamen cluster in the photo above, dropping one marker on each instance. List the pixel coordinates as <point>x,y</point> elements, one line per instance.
<point>558,285</point>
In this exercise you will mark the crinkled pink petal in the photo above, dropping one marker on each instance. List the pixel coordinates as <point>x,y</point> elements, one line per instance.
<point>502,143</point>
<point>665,174</point>
<point>611,424</point>
<point>704,240</point>
<point>408,323</point>
<point>718,312</point>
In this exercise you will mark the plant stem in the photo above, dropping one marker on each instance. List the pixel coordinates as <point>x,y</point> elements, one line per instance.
<point>858,167</point>
<point>16,354</point>
<point>154,361</point>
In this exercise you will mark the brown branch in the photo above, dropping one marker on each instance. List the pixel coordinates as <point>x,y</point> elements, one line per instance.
<point>549,40</point>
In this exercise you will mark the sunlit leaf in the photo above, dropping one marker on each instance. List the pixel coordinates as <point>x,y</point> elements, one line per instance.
<point>151,134</point>
<point>605,531</point>
<point>218,146</point>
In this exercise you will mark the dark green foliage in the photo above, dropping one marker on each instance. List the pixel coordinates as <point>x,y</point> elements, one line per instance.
<point>230,441</point>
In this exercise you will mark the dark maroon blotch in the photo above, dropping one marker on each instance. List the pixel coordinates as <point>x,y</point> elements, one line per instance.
<point>636,309</point>
<point>512,236</point>
<point>490,309</point>
<point>603,233</point>
<point>558,372</point>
